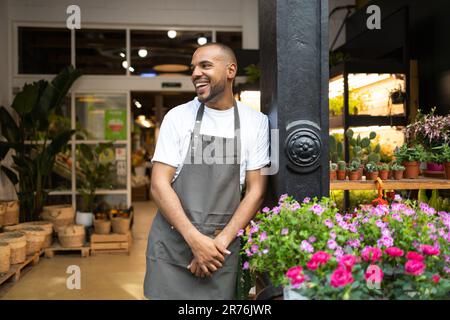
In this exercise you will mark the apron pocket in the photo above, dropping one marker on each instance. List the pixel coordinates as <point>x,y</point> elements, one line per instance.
<point>174,249</point>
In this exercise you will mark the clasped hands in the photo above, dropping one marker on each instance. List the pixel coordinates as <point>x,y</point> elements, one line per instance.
<point>209,255</point>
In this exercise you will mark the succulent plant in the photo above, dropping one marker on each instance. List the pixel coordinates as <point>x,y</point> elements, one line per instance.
<point>336,149</point>
<point>354,165</point>
<point>397,167</point>
<point>361,148</point>
<point>371,167</point>
<point>333,166</point>
<point>341,165</point>
<point>383,166</point>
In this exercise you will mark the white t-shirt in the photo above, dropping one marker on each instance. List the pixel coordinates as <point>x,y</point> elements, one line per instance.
<point>175,132</point>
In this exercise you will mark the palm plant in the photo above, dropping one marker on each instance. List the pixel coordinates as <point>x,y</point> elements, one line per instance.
<point>33,158</point>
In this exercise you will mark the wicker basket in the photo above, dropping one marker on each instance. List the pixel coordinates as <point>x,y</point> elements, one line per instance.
<point>120,225</point>
<point>59,215</point>
<point>72,236</point>
<point>102,226</point>
<point>35,238</point>
<point>11,215</point>
<point>18,244</point>
<point>5,257</point>
<point>45,225</point>
<point>48,228</point>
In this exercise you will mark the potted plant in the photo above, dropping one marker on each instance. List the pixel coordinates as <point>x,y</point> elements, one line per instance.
<point>372,170</point>
<point>354,169</point>
<point>96,166</point>
<point>434,160</point>
<point>397,95</point>
<point>398,171</point>
<point>341,170</point>
<point>333,169</point>
<point>34,139</point>
<point>410,157</point>
<point>376,252</point>
<point>383,170</point>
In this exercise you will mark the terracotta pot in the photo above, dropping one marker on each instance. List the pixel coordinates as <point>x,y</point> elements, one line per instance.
<point>354,175</point>
<point>398,174</point>
<point>361,172</point>
<point>447,169</point>
<point>384,174</point>
<point>341,174</point>
<point>411,170</point>
<point>333,175</point>
<point>372,175</point>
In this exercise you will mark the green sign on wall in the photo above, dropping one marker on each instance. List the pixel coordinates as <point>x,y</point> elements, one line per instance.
<point>115,124</point>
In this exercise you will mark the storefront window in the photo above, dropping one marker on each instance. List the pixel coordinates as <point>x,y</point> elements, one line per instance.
<point>43,50</point>
<point>230,38</point>
<point>101,51</point>
<point>154,53</point>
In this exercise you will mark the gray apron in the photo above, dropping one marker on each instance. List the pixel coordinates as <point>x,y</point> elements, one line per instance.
<point>209,192</point>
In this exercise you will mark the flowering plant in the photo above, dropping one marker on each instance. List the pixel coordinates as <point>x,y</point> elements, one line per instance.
<point>394,251</point>
<point>430,130</point>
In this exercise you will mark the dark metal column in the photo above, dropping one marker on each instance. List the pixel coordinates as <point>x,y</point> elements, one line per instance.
<point>294,93</point>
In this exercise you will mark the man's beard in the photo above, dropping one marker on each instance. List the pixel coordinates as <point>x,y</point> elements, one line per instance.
<point>214,92</point>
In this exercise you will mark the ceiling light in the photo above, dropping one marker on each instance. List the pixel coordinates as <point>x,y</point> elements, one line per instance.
<point>146,124</point>
<point>171,34</point>
<point>125,64</point>
<point>122,54</point>
<point>141,118</point>
<point>142,53</point>
<point>131,69</point>
<point>137,104</point>
<point>202,40</point>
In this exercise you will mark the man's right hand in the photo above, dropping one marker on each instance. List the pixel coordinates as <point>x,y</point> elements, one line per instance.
<point>208,255</point>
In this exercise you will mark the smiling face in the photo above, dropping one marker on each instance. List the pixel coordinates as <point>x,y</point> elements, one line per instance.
<point>212,73</point>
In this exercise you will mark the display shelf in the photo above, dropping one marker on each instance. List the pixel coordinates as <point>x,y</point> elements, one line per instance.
<point>403,184</point>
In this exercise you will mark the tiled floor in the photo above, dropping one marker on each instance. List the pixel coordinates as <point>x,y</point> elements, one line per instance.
<point>105,276</point>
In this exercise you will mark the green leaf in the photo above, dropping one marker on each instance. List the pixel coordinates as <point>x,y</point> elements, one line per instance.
<point>26,99</point>
<point>9,128</point>
<point>12,176</point>
<point>57,90</point>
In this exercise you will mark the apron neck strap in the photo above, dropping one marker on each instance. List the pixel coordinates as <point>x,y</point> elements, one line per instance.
<point>237,128</point>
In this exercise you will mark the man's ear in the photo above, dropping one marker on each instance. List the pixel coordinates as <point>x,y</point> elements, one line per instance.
<point>231,70</point>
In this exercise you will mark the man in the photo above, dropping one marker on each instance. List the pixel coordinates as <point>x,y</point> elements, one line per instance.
<point>207,150</point>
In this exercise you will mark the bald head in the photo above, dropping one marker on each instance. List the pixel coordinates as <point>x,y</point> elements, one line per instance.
<point>227,52</point>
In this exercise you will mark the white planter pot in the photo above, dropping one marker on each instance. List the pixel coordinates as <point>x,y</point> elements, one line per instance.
<point>84,218</point>
<point>292,294</point>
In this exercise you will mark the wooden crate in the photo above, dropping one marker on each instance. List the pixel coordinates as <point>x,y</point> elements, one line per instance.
<point>111,243</point>
<point>57,248</point>
<point>17,270</point>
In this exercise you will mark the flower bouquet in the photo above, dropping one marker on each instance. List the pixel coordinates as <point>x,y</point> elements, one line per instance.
<point>394,251</point>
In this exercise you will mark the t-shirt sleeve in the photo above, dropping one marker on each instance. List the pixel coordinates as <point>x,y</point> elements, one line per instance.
<point>258,155</point>
<point>168,146</point>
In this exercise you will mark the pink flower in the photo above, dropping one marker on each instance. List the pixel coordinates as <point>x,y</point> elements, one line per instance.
<point>254,248</point>
<point>411,255</point>
<point>394,252</point>
<point>347,261</point>
<point>374,273</point>
<point>284,231</point>
<point>436,278</point>
<point>246,265</point>
<point>371,254</point>
<point>265,209</point>
<point>317,209</point>
<point>341,277</point>
<point>414,267</point>
<point>312,265</point>
<point>296,276</point>
<point>321,257</point>
<point>429,250</point>
<point>263,236</point>
<point>240,233</point>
